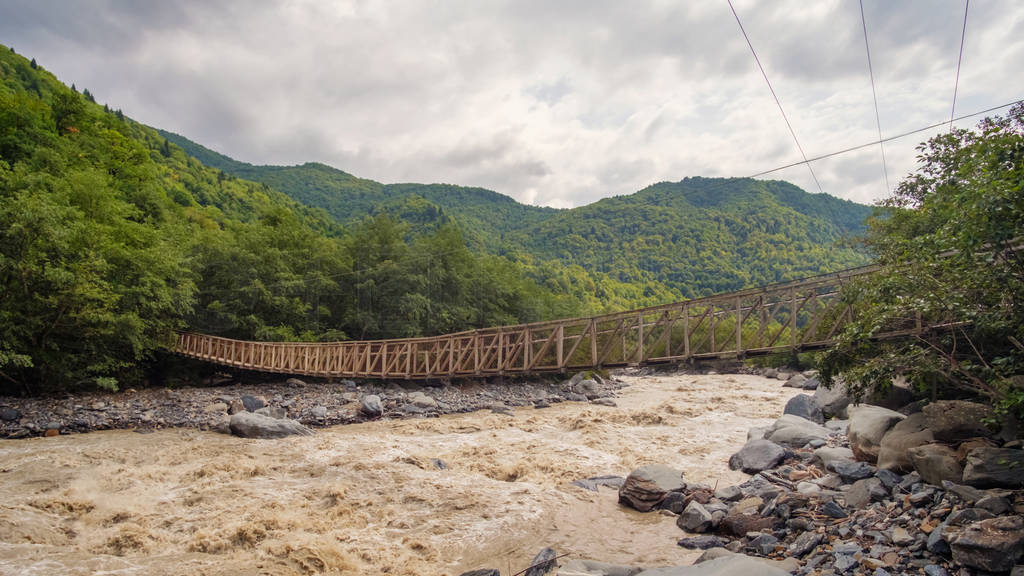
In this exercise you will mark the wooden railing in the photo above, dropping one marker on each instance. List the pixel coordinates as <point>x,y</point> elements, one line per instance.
<point>800,315</point>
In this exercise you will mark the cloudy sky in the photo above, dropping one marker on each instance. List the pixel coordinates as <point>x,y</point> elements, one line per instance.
<point>551,102</point>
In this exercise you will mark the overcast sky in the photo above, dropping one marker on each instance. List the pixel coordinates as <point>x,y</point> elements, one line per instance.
<point>557,103</point>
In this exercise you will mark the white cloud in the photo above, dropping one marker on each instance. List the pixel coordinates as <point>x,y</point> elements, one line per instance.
<point>551,103</point>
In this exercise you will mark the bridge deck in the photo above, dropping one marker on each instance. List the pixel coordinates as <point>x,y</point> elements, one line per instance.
<point>800,315</point>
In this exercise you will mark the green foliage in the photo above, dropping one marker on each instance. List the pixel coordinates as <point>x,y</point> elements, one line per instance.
<point>949,243</point>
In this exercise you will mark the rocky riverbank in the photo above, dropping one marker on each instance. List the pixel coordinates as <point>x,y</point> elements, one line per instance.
<point>311,403</point>
<point>838,489</point>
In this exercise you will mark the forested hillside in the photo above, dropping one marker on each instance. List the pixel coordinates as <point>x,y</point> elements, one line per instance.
<point>671,240</point>
<point>111,237</point>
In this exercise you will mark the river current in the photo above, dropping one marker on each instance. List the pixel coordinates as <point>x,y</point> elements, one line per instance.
<point>370,498</point>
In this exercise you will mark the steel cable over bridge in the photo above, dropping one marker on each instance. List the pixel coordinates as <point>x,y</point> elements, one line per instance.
<point>792,316</point>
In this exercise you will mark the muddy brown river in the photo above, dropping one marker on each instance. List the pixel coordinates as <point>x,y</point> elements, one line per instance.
<point>367,498</point>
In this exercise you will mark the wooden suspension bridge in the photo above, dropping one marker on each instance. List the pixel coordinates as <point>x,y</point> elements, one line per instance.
<point>793,316</point>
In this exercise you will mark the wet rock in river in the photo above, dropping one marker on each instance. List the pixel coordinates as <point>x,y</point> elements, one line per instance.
<point>253,403</point>
<point>695,518</point>
<point>252,425</point>
<point>542,563</point>
<point>647,486</point>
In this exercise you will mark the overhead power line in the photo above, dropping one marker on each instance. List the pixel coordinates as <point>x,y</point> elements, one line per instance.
<point>874,95</point>
<point>956,84</point>
<point>883,140</point>
<point>777,102</point>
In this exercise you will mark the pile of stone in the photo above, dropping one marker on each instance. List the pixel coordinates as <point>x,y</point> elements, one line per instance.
<point>926,490</point>
<point>310,403</point>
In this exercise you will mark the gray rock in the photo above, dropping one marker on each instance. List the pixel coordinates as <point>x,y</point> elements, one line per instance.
<point>703,542</point>
<point>757,455</point>
<point>833,401</point>
<point>794,431</point>
<point>421,400</point>
<point>811,383</point>
<point>967,493</point>
<point>936,463</point>
<point>253,403</point>
<point>604,402</point>
<point>863,492</point>
<point>935,570</point>
<point>795,381</point>
<point>899,536</point>
<point>593,483</point>
<point>908,433</point>
<point>936,541</point>
<point>993,545</point>
<point>319,412</point>
<point>295,382</point>
<point>583,567</point>
<point>647,486</point>
<point>371,406</point>
<point>674,502</point>
<point>828,456</point>
<point>757,433</point>
<point>955,420</point>
<point>273,412</point>
<point>804,406</point>
<point>252,425</point>
<point>994,504</point>
<point>763,544</point>
<point>769,372</point>
<point>868,424</point>
<point>836,425</point>
<point>732,565</point>
<point>995,468</point>
<point>588,388</point>
<point>695,518</point>
<point>574,397</point>
<point>8,414</point>
<point>833,510</point>
<point>889,478</point>
<point>729,493</point>
<point>804,543</point>
<point>853,471</point>
<point>542,563</point>
<point>482,572</point>
<point>439,464</point>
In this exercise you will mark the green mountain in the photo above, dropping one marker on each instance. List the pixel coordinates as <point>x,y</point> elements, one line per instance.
<point>668,241</point>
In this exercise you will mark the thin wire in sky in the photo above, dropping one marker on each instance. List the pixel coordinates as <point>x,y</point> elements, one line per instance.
<point>956,84</point>
<point>889,139</point>
<point>874,95</point>
<point>777,102</point>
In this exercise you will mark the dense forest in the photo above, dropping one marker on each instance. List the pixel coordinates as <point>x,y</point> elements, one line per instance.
<point>669,241</point>
<point>113,235</point>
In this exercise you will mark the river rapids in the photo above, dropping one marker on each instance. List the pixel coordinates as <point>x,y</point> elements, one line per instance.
<point>370,498</point>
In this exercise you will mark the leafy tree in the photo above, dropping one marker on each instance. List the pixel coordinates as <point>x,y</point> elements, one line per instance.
<point>949,243</point>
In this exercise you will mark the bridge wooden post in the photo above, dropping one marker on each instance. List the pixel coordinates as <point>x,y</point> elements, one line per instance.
<point>593,342</point>
<point>792,317</point>
<point>560,347</point>
<point>739,327</point>
<point>640,337</point>
<point>686,331</point>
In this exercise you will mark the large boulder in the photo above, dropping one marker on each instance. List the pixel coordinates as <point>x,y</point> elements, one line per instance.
<point>252,425</point>
<point>935,463</point>
<point>908,433</point>
<point>955,420</point>
<point>792,430</point>
<point>647,486</point>
<point>757,455</point>
<point>868,424</point>
<point>991,545</point>
<point>732,565</point>
<point>584,567</point>
<point>833,401</point>
<point>995,468</point>
<point>804,406</point>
